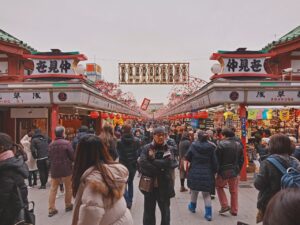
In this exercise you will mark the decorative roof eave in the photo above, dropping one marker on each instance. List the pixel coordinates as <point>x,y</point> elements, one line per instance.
<point>6,37</point>
<point>252,75</point>
<point>283,47</point>
<point>217,56</point>
<point>80,57</point>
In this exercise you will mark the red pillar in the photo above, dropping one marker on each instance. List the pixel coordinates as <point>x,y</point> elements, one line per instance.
<point>243,118</point>
<point>54,113</point>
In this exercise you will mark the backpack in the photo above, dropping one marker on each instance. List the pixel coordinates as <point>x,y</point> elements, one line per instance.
<point>290,177</point>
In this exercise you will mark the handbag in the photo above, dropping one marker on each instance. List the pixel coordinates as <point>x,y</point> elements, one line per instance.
<point>146,184</point>
<point>26,216</point>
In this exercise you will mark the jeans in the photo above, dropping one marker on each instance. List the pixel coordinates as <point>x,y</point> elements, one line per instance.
<point>55,182</point>
<point>150,200</point>
<point>233,189</point>
<point>128,195</point>
<point>43,168</point>
<point>32,175</point>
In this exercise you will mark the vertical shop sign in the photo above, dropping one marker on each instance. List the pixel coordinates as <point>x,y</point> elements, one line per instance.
<point>145,104</point>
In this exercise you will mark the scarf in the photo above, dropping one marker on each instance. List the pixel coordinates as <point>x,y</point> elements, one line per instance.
<point>6,155</point>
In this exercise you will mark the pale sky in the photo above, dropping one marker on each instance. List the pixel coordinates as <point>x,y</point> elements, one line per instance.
<point>113,31</point>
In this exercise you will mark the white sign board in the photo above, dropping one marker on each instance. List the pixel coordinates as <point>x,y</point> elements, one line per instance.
<point>243,65</point>
<point>68,97</point>
<point>25,98</point>
<point>29,113</point>
<point>53,66</point>
<point>273,97</point>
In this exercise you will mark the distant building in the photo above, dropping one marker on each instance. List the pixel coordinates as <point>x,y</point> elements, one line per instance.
<point>93,72</point>
<point>153,107</point>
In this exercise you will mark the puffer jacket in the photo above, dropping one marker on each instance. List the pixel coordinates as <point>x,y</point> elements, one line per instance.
<point>161,169</point>
<point>13,171</point>
<point>61,156</point>
<point>31,162</point>
<point>230,151</point>
<point>92,206</point>
<point>40,146</point>
<point>128,148</point>
<point>268,180</point>
<point>203,166</point>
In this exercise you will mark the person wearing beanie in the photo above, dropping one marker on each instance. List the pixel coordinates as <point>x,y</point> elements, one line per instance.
<point>157,163</point>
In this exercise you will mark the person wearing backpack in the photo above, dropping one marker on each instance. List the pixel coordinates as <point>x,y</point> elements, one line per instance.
<point>128,148</point>
<point>268,180</point>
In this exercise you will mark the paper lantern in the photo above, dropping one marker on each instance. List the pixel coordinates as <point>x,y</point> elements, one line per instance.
<point>189,115</point>
<point>111,115</point>
<point>118,116</point>
<point>203,115</point>
<point>104,115</point>
<point>94,114</point>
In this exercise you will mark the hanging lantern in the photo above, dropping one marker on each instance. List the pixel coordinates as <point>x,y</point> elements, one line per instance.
<point>111,115</point>
<point>104,115</point>
<point>94,115</point>
<point>118,116</point>
<point>203,115</point>
<point>189,115</point>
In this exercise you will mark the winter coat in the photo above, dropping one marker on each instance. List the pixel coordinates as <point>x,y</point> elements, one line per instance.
<point>128,148</point>
<point>171,142</point>
<point>203,166</point>
<point>31,162</point>
<point>77,138</point>
<point>268,180</point>
<point>40,146</point>
<point>297,153</point>
<point>61,156</point>
<point>184,145</point>
<point>92,206</point>
<point>13,171</point>
<point>230,151</point>
<point>161,169</point>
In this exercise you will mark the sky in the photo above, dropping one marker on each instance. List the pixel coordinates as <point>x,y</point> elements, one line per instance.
<point>113,31</point>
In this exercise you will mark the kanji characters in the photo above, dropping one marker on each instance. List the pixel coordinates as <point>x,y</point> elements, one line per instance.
<point>244,65</point>
<point>232,65</point>
<point>256,65</point>
<point>41,66</point>
<point>65,66</point>
<point>53,67</point>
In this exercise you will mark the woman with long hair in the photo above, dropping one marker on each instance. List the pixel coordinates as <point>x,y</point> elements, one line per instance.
<point>109,140</point>
<point>98,185</point>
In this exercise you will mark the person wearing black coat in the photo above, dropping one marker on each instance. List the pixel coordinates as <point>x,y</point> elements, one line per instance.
<point>184,145</point>
<point>268,180</point>
<point>39,149</point>
<point>13,171</point>
<point>230,159</point>
<point>203,167</point>
<point>128,148</point>
<point>158,162</point>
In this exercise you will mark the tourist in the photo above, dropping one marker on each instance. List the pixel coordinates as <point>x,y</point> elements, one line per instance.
<point>184,145</point>
<point>82,131</point>
<point>203,167</point>
<point>109,139</point>
<point>98,186</point>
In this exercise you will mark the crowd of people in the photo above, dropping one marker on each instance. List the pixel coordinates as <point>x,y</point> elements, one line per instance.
<point>99,172</point>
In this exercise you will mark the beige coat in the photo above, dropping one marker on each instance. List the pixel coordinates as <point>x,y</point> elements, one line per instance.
<point>31,162</point>
<point>91,202</point>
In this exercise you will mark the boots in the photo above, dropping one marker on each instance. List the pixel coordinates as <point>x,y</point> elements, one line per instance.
<point>192,207</point>
<point>208,213</point>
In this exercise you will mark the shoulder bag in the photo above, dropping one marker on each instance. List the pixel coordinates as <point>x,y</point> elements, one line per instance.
<point>25,216</point>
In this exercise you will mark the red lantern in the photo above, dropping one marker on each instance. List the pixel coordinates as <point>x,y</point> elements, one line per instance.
<point>118,117</point>
<point>94,114</point>
<point>189,115</point>
<point>124,116</point>
<point>203,115</point>
<point>104,115</point>
<point>111,115</point>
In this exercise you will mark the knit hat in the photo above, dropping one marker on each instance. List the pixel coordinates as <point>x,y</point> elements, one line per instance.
<point>159,130</point>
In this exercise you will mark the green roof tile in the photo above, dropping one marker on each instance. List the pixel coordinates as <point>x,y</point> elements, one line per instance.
<point>293,34</point>
<point>6,37</point>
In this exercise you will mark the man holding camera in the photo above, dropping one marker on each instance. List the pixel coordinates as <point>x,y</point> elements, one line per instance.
<point>157,164</point>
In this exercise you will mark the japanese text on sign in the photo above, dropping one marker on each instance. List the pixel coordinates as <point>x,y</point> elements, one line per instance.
<point>244,65</point>
<point>53,66</point>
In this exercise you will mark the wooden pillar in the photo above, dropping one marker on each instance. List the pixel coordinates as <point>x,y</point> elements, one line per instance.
<point>243,118</point>
<point>54,119</point>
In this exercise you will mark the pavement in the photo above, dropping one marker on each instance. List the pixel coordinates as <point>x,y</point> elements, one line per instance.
<point>179,213</point>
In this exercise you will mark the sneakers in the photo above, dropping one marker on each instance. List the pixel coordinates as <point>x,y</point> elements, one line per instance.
<point>233,213</point>
<point>183,189</point>
<point>52,212</point>
<point>69,208</point>
<point>224,209</point>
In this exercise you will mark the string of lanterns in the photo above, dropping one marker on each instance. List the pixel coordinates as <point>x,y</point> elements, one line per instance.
<point>194,115</point>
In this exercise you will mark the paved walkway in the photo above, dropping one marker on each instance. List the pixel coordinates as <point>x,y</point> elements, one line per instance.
<point>179,213</point>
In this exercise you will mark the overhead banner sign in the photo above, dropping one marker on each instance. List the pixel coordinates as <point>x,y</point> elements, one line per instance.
<point>244,65</point>
<point>153,73</point>
<point>145,104</point>
<point>53,66</point>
